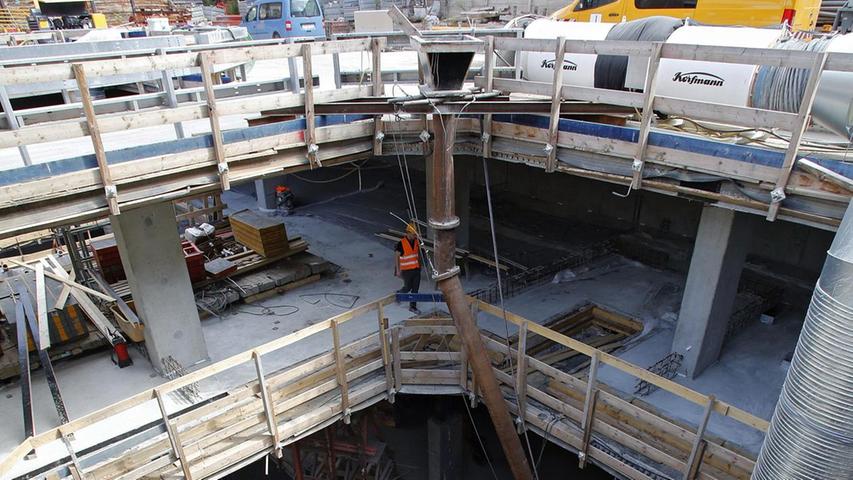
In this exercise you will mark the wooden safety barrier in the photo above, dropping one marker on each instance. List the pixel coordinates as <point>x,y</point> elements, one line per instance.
<point>420,356</point>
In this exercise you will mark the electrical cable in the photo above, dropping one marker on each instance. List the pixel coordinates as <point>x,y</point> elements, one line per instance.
<point>480,440</point>
<point>448,146</point>
<point>351,299</point>
<point>268,310</point>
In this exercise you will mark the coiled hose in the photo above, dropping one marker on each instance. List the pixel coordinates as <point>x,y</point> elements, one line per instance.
<point>782,88</point>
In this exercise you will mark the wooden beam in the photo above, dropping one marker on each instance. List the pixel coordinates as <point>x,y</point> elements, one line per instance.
<point>777,196</point>
<point>556,100</point>
<point>695,459</point>
<point>174,438</point>
<point>648,115</point>
<point>95,134</point>
<point>205,62</point>
<point>521,373</point>
<point>386,355</point>
<point>41,308</point>
<point>589,410</point>
<point>310,126</point>
<point>341,368</point>
<point>63,279</point>
<point>398,368</point>
<point>378,91</point>
<point>269,407</point>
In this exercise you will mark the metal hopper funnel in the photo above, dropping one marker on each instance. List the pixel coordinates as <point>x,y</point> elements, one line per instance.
<point>445,59</point>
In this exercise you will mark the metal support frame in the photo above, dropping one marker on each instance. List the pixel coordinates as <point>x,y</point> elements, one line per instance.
<point>13,121</point>
<point>589,410</point>
<point>803,118</point>
<point>174,438</point>
<point>648,115</point>
<point>489,70</point>
<point>95,134</point>
<point>341,370</point>
<point>293,71</point>
<point>170,96</point>
<point>378,91</point>
<point>691,469</point>
<point>556,99</point>
<point>269,405</point>
<point>310,126</point>
<point>205,61</point>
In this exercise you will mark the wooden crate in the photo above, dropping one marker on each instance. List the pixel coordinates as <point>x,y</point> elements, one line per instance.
<point>266,236</point>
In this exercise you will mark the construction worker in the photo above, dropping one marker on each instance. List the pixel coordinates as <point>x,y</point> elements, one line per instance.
<point>408,264</point>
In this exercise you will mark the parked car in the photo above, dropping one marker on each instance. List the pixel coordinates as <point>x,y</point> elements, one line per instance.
<point>284,18</point>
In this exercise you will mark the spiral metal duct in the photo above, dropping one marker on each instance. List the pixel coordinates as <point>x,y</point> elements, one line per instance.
<point>811,433</point>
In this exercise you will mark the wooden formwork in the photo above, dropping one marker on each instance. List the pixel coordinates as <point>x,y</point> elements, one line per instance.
<point>418,356</point>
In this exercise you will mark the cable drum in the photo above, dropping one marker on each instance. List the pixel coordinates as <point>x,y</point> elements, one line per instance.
<point>782,88</point>
<point>811,435</point>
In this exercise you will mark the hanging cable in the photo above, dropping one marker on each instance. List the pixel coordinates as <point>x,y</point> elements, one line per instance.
<point>480,440</point>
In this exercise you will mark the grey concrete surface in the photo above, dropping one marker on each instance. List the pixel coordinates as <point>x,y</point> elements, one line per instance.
<point>153,261</point>
<point>712,282</point>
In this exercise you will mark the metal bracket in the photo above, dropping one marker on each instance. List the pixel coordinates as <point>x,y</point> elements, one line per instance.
<point>548,147</point>
<point>111,191</point>
<point>448,274</point>
<point>777,195</point>
<point>380,136</point>
<point>223,168</point>
<point>347,416</point>
<point>448,225</point>
<point>637,165</point>
<point>485,137</point>
<point>425,136</point>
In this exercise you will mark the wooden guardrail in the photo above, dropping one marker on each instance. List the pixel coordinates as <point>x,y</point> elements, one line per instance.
<point>796,123</point>
<point>280,407</point>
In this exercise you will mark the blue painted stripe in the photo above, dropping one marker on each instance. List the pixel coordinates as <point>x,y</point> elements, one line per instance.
<point>84,162</point>
<point>684,143</point>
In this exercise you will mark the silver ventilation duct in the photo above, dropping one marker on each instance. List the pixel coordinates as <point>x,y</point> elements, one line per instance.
<point>811,433</point>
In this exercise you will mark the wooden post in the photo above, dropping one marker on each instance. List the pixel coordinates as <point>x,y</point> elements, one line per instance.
<point>589,409</point>
<point>378,91</point>
<point>695,460</point>
<point>398,368</point>
<point>174,438</point>
<point>341,367</point>
<point>386,356</point>
<point>95,134</point>
<point>269,406</point>
<point>336,64</point>
<point>308,76</point>
<point>556,101</point>
<point>648,114</point>
<point>41,309</point>
<point>489,72</point>
<point>204,61</point>
<point>803,118</point>
<point>521,375</point>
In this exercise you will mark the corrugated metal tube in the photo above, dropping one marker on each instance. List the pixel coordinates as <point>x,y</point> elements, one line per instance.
<point>811,433</point>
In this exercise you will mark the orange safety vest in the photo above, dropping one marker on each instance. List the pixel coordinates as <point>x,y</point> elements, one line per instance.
<point>409,260</point>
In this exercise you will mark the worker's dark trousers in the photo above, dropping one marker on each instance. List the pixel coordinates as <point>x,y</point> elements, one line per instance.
<point>411,283</point>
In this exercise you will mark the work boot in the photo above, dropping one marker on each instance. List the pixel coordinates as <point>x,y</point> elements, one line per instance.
<point>415,310</point>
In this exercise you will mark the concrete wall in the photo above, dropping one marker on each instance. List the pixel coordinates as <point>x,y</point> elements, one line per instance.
<point>797,249</point>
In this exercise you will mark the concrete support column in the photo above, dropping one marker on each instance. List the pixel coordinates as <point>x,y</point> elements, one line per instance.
<point>446,452</point>
<point>462,188</point>
<point>709,294</point>
<point>265,191</point>
<point>153,260</point>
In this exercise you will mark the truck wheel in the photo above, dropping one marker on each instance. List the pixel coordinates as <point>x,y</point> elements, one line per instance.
<point>275,35</point>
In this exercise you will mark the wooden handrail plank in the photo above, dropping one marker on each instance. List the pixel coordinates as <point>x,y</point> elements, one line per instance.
<point>110,190</point>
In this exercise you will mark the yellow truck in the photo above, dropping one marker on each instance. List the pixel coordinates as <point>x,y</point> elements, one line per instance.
<point>800,14</point>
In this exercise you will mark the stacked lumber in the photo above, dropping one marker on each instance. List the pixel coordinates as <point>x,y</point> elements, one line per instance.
<point>266,236</point>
